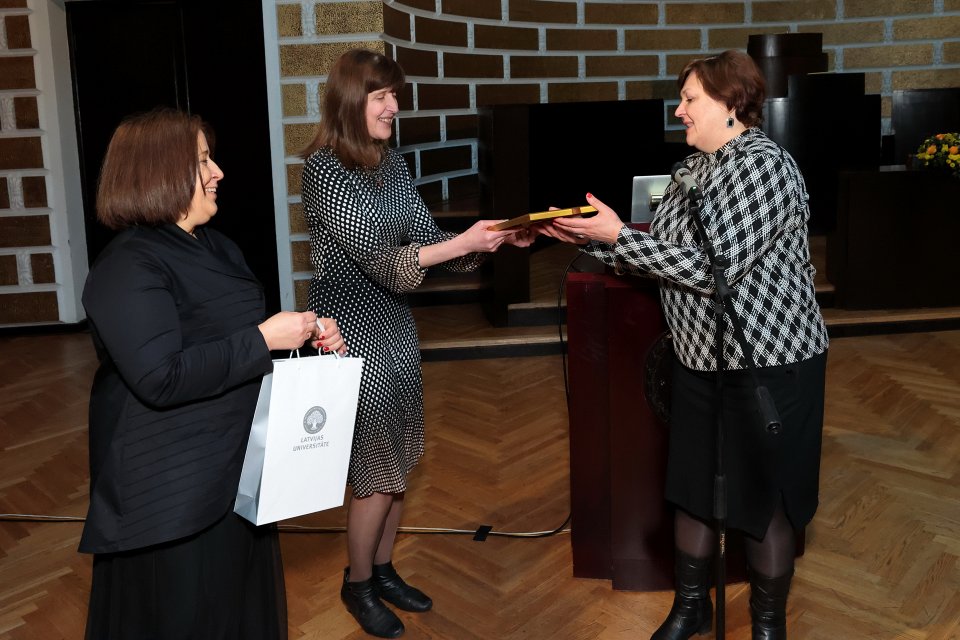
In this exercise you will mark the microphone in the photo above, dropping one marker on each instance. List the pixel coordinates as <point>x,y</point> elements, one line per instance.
<point>682,176</point>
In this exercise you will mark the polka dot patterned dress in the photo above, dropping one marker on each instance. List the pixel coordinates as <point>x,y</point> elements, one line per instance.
<point>366,230</point>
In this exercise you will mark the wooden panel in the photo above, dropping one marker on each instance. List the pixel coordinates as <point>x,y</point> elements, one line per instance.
<point>641,521</point>
<point>589,431</point>
<point>863,259</point>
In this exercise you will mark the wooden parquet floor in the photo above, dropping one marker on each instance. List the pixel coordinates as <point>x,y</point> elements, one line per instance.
<point>881,558</point>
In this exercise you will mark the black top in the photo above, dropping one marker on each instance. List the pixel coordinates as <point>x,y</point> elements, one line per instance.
<point>174,321</point>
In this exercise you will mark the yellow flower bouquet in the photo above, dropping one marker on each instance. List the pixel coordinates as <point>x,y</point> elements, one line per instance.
<point>940,153</point>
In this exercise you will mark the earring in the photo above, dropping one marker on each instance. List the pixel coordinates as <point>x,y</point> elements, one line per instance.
<point>730,122</point>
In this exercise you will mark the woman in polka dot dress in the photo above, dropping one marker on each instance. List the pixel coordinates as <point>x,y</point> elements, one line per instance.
<point>372,239</point>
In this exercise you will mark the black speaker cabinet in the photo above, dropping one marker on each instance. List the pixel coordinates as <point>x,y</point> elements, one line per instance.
<point>887,219</point>
<point>805,124</point>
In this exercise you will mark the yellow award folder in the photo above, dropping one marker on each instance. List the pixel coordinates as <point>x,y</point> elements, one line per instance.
<point>529,218</point>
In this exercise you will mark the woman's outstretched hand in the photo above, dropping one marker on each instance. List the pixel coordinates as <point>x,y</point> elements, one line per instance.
<point>605,226</point>
<point>478,238</point>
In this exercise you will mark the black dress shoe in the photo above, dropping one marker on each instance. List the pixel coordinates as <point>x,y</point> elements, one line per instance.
<point>362,602</point>
<point>391,587</point>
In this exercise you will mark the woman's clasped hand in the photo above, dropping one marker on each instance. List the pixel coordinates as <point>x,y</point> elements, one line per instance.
<point>291,330</point>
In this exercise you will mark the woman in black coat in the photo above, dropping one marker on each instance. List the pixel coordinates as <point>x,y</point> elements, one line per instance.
<point>178,322</point>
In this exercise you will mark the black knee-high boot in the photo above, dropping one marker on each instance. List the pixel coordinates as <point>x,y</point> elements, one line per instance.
<point>692,610</point>
<point>768,605</point>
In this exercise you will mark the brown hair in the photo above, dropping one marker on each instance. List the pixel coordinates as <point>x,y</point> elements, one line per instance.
<point>150,170</point>
<point>343,124</point>
<point>734,79</point>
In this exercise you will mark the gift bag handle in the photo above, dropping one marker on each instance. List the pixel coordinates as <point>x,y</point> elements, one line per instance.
<point>336,355</point>
<point>320,326</point>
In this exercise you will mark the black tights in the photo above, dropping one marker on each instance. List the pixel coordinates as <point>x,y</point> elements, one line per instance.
<point>772,556</point>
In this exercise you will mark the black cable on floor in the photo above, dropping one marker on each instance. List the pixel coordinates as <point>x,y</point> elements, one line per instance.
<point>563,344</point>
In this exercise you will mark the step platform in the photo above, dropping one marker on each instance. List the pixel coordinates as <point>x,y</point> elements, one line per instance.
<point>452,325</point>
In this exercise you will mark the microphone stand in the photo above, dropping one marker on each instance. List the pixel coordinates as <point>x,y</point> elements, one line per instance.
<point>723,302</point>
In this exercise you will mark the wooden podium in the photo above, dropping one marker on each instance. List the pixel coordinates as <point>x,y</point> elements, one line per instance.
<point>622,529</point>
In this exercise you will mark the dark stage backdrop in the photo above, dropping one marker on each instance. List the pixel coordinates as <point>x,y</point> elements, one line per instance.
<point>204,57</point>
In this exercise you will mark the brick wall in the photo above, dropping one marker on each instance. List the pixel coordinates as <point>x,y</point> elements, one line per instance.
<point>463,54</point>
<point>311,35</point>
<point>42,238</point>
<point>27,275</point>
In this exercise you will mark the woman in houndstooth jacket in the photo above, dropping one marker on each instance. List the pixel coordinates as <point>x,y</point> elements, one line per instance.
<point>755,210</point>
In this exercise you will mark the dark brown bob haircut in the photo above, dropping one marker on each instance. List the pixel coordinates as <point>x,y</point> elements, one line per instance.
<point>343,123</point>
<point>734,79</point>
<point>150,171</point>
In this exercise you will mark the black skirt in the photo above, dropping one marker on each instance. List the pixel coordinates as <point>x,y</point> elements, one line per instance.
<point>761,468</point>
<point>225,582</point>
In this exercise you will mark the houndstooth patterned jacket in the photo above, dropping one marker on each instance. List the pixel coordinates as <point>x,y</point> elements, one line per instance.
<point>755,211</point>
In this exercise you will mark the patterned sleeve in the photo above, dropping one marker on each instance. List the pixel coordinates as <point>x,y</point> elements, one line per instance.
<point>424,230</point>
<point>345,212</point>
<point>639,253</point>
<point>751,200</point>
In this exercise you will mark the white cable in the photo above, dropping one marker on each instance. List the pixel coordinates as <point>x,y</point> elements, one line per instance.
<point>33,516</point>
<point>517,534</point>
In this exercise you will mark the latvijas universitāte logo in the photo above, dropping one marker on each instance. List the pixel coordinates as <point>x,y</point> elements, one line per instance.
<point>314,420</point>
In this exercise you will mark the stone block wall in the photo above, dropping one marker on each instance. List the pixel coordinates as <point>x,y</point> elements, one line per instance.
<point>42,238</point>
<point>310,37</point>
<point>460,55</point>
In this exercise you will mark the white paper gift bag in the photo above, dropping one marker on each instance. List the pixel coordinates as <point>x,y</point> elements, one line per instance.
<point>299,448</point>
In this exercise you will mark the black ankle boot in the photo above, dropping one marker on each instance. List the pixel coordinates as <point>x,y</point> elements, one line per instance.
<point>394,590</point>
<point>364,604</point>
<point>768,605</point>
<point>692,610</point>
